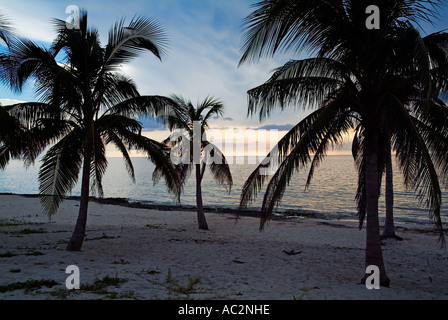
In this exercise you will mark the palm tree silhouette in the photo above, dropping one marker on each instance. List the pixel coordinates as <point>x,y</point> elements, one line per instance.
<point>360,80</point>
<point>437,46</point>
<point>192,148</point>
<point>84,105</point>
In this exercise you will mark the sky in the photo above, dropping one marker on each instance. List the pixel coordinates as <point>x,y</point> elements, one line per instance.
<point>201,60</point>
<point>203,50</point>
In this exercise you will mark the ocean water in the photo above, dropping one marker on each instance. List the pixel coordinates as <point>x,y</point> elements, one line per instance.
<point>331,193</point>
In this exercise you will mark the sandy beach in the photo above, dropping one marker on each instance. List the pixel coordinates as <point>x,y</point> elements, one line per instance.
<point>146,254</point>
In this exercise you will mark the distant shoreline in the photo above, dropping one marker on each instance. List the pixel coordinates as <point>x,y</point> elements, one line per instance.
<point>277,216</point>
<point>124,202</point>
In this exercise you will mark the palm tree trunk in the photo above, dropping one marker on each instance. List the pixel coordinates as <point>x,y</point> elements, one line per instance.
<point>78,235</point>
<point>374,254</point>
<point>389,226</point>
<point>201,216</point>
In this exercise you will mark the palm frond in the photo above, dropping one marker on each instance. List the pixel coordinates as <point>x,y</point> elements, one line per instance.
<point>219,167</point>
<point>109,126</point>
<point>433,128</point>
<point>70,38</point>
<point>328,28</point>
<point>26,60</point>
<point>333,121</point>
<point>116,141</point>
<point>295,25</point>
<point>311,136</point>
<point>113,122</point>
<point>113,89</point>
<point>10,128</point>
<point>258,177</point>
<point>9,124</point>
<point>298,84</point>
<point>59,171</point>
<point>299,92</point>
<point>156,152</point>
<point>6,30</point>
<point>419,11</point>
<point>312,67</point>
<point>414,50</point>
<point>333,137</point>
<point>5,156</point>
<point>183,172</point>
<point>36,140</point>
<point>127,42</point>
<point>437,143</point>
<point>158,155</point>
<point>155,106</point>
<point>98,164</point>
<point>437,45</point>
<point>31,113</point>
<point>215,108</point>
<point>26,131</point>
<point>416,163</point>
<point>181,114</point>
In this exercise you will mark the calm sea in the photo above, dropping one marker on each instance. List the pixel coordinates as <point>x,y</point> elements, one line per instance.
<point>332,191</point>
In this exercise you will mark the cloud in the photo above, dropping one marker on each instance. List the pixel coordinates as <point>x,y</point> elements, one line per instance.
<point>282,127</point>
<point>203,57</point>
<point>32,20</point>
<point>223,119</point>
<point>203,51</point>
<point>151,124</point>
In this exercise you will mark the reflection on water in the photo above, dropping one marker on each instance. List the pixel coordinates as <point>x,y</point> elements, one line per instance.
<point>332,191</point>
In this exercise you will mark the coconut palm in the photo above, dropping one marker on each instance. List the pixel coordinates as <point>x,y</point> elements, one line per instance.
<point>84,105</point>
<point>192,150</point>
<point>360,80</point>
<point>437,47</point>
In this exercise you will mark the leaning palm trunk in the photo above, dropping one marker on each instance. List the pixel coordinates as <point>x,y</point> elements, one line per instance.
<point>77,239</point>
<point>201,216</point>
<point>194,121</point>
<point>389,226</point>
<point>374,255</point>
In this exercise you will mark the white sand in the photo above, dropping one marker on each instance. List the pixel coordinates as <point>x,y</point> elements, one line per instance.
<point>231,261</point>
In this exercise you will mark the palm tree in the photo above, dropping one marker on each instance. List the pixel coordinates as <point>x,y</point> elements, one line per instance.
<point>360,80</point>
<point>191,148</point>
<point>437,46</point>
<point>84,105</point>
